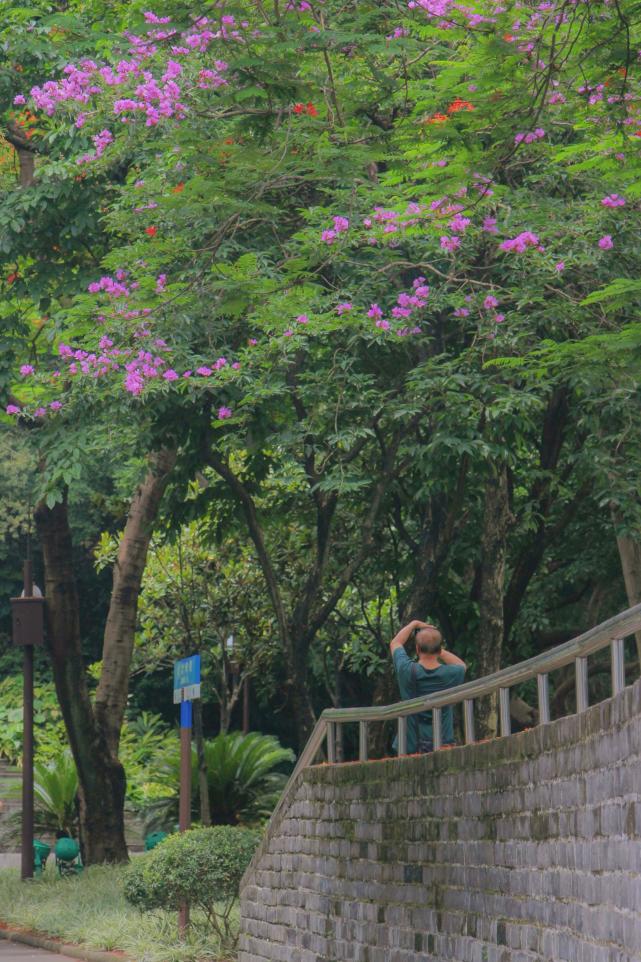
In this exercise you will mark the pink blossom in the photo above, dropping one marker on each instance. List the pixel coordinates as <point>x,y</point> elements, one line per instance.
<point>224,412</point>
<point>606,243</point>
<point>529,138</point>
<point>27,369</point>
<point>459,223</point>
<point>161,283</point>
<point>55,405</point>
<point>490,302</point>
<point>288,332</point>
<point>613,200</point>
<point>521,242</point>
<point>560,266</point>
<point>341,224</point>
<point>461,312</point>
<point>204,371</point>
<point>170,375</point>
<point>19,100</point>
<point>384,325</point>
<point>302,319</point>
<point>12,409</point>
<point>450,243</point>
<point>344,307</point>
<point>489,225</point>
<point>374,311</point>
<point>499,318</point>
<point>39,412</point>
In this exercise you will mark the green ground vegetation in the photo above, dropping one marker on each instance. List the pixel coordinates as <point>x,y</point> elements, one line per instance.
<point>91,910</point>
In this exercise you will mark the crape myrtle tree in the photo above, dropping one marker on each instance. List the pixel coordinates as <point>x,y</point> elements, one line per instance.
<point>326,226</point>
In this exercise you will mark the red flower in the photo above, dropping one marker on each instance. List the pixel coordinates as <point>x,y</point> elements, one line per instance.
<point>12,277</point>
<point>151,231</point>
<point>299,108</point>
<point>311,110</point>
<point>437,119</point>
<point>459,104</point>
<point>178,189</point>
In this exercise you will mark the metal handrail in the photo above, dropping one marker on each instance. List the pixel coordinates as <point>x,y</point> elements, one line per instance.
<point>610,632</point>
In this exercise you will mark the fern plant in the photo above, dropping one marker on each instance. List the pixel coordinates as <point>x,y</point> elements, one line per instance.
<point>245,778</point>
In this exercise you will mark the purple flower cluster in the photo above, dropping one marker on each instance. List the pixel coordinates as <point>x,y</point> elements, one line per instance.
<point>406,305</point>
<point>613,200</point>
<point>341,225</point>
<point>529,138</point>
<point>521,242</point>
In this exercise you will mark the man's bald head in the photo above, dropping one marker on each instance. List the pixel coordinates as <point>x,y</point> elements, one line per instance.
<point>428,641</point>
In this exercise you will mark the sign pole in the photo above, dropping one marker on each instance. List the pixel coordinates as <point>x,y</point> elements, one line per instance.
<point>184,807</point>
<point>186,688</point>
<point>26,861</point>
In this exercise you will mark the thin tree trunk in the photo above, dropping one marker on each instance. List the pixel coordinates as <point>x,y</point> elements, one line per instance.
<point>496,520</point>
<point>120,629</point>
<point>203,785</point>
<point>630,556</point>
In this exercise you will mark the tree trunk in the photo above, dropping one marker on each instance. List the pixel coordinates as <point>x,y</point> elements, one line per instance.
<point>120,629</point>
<point>101,777</point>
<point>94,731</point>
<point>298,692</point>
<point>496,519</point>
<point>630,556</point>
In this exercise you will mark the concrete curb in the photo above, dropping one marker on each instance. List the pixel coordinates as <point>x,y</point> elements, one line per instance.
<point>62,948</point>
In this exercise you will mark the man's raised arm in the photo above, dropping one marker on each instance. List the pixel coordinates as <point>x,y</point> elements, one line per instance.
<point>449,658</point>
<point>400,640</point>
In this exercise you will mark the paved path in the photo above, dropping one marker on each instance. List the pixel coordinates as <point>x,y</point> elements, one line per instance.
<point>14,952</point>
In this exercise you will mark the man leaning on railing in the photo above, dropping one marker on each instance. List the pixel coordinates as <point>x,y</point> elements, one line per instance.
<point>435,670</point>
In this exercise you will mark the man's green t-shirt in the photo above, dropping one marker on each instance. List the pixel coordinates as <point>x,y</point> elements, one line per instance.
<point>428,682</point>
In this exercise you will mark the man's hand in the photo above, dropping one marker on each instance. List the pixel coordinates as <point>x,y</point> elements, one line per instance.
<point>401,639</point>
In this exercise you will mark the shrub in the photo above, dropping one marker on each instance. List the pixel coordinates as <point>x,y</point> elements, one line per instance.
<point>202,867</point>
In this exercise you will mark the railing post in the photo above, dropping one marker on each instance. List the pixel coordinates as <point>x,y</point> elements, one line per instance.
<point>437,728</point>
<point>331,743</point>
<point>504,711</point>
<point>468,720</point>
<point>581,680</point>
<point>362,741</point>
<point>543,689</point>
<point>402,735</point>
<point>617,656</point>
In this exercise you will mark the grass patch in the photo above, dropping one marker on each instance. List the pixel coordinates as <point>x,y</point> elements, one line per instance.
<point>90,909</point>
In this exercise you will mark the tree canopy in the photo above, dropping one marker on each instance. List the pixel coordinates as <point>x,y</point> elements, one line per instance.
<point>363,279</point>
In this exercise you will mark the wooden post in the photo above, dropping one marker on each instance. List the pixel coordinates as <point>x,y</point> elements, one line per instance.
<point>26,858</point>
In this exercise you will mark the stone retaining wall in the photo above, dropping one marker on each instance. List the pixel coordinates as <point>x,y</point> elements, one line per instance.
<point>522,849</point>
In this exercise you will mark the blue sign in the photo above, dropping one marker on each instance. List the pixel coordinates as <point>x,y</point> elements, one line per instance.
<point>186,679</point>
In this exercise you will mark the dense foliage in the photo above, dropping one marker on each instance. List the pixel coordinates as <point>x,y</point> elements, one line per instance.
<point>245,777</point>
<point>370,272</point>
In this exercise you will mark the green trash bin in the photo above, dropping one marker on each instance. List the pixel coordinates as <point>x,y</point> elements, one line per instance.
<point>68,861</point>
<point>40,855</point>
<point>153,839</point>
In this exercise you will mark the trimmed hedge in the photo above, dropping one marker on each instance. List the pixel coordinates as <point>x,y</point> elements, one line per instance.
<point>201,868</point>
